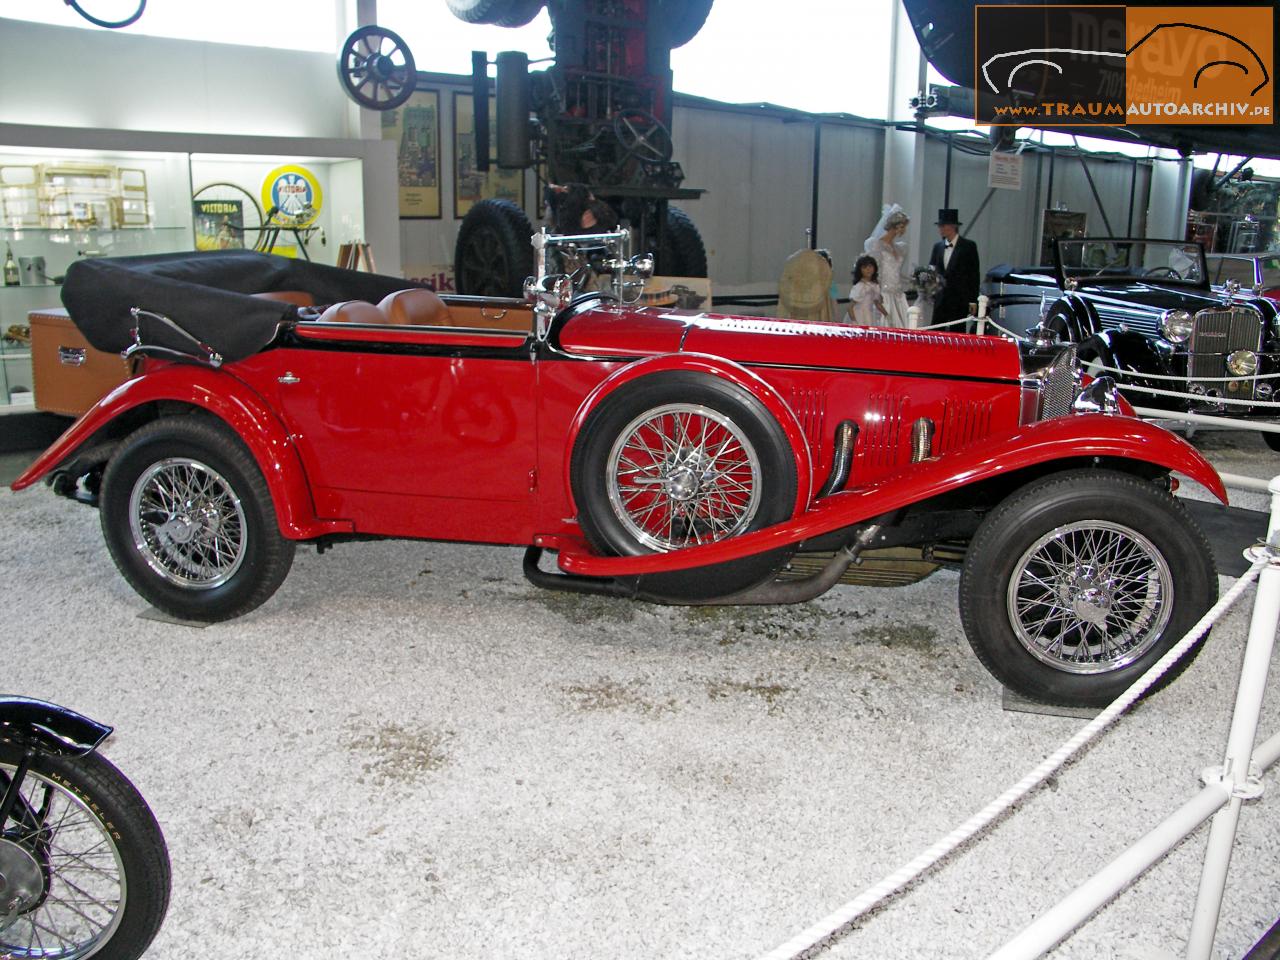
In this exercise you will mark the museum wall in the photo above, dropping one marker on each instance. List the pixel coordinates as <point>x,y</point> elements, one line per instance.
<point>1008,230</point>
<point>112,79</point>
<point>755,163</point>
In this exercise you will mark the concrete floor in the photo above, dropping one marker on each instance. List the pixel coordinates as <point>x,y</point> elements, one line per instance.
<point>410,752</point>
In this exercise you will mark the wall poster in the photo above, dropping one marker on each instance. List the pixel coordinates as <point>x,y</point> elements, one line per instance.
<point>416,128</point>
<point>469,184</point>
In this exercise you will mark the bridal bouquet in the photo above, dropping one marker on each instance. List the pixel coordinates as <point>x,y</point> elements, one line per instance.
<point>927,281</point>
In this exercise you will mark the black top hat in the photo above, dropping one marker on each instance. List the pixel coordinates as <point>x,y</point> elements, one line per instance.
<point>948,215</point>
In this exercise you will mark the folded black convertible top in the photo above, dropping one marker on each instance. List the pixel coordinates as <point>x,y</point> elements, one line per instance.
<point>206,294</point>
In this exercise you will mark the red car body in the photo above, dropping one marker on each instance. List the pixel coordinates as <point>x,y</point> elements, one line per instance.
<point>470,434</point>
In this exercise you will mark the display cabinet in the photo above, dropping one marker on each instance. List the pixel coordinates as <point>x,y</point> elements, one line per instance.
<point>60,206</point>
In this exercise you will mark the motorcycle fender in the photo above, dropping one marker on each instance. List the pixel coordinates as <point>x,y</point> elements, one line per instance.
<point>48,728</point>
<point>716,367</point>
<point>1068,439</point>
<point>236,405</point>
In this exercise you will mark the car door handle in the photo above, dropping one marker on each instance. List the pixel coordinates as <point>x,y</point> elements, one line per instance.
<point>287,378</point>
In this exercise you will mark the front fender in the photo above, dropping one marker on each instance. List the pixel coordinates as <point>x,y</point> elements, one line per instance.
<point>716,367</point>
<point>1104,436</point>
<point>1072,317</point>
<point>48,728</point>
<point>232,402</point>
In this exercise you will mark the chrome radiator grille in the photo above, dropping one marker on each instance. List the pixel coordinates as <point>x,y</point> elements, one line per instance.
<point>1059,390</point>
<point>1215,336</point>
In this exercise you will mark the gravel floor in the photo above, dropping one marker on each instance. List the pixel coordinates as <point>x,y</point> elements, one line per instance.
<point>412,753</point>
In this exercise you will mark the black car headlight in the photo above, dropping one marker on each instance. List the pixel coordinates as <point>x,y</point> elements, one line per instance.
<point>1243,363</point>
<point>1176,325</point>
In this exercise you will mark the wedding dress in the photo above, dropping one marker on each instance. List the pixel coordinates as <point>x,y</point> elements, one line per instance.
<point>890,260</point>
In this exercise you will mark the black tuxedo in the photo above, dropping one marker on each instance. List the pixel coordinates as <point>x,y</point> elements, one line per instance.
<point>962,277</point>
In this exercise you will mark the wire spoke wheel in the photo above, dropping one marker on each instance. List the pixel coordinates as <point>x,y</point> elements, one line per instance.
<point>1090,597</point>
<point>85,891</point>
<point>682,475</point>
<point>188,523</point>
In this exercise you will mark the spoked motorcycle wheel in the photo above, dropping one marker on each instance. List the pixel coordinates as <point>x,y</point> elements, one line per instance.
<point>87,858</point>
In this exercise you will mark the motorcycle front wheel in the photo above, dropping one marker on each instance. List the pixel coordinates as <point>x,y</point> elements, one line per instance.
<point>85,861</point>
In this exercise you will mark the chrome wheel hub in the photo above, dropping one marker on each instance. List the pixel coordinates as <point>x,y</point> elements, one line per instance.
<point>1090,597</point>
<point>188,523</point>
<point>1088,594</point>
<point>683,474</point>
<point>21,881</point>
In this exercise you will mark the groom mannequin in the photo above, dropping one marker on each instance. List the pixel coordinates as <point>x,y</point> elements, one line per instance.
<point>957,260</point>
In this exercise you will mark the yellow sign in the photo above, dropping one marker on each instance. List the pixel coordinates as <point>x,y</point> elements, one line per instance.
<point>291,196</point>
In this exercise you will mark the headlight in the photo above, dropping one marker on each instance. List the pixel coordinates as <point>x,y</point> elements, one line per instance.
<point>1243,363</point>
<point>1176,325</point>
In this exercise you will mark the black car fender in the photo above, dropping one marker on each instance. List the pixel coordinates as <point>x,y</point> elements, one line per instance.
<point>1071,318</point>
<point>1130,351</point>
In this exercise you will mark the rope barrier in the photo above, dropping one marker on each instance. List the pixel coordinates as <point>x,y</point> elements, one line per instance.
<point>1170,376</point>
<point>1199,398</point>
<point>821,934</point>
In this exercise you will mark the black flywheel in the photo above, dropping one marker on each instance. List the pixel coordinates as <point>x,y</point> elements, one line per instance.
<point>376,68</point>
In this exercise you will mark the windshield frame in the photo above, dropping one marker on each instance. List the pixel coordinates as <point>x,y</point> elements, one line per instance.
<point>1090,278</point>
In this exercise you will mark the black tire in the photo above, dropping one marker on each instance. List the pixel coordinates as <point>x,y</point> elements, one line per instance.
<point>100,831</point>
<point>1272,440</point>
<point>237,516</point>
<point>493,255</point>
<point>681,253</point>
<point>499,13</point>
<point>683,19</point>
<point>754,484</point>
<point>1067,520</point>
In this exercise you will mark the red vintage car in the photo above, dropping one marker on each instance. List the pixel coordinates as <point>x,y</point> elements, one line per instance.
<point>666,455</point>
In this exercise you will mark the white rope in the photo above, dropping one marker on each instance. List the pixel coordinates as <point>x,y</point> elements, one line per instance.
<point>818,936</point>
<point>1169,376</point>
<point>1224,423</point>
<point>1199,398</point>
<point>980,321</point>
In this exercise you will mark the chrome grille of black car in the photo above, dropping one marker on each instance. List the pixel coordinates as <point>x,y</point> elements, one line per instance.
<point>1216,335</point>
<point>1059,390</point>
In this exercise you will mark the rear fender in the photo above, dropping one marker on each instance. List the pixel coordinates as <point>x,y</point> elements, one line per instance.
<point>236,405</point>
<point>1102,437</point>
<point>716,367</point>
<point>48,728</point>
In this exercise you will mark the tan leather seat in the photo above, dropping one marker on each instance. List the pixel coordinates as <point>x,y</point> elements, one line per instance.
<point>352,311</point>
<point>299,298</point>
<point>418,307</point>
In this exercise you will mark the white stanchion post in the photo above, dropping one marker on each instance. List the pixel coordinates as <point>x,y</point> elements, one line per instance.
<point>1235,773</point>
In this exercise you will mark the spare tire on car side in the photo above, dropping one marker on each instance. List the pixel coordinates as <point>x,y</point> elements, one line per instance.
<point>677,459</point>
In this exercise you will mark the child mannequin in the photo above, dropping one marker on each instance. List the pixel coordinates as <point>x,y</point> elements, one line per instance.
<point>866,307</point>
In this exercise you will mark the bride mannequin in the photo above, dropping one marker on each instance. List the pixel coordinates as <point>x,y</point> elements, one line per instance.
<point>887,245</point>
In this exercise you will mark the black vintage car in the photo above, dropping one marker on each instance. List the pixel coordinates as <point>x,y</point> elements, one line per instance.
<point>1145,308</point>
